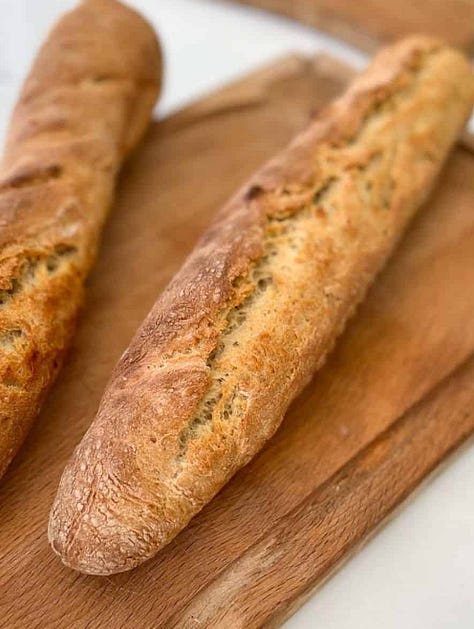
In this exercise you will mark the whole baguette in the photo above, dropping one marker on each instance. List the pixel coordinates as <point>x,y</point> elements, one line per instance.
<point>256,308</point>
<point>84,106</point>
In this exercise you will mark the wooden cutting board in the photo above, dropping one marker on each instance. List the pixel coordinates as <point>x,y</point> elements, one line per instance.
<point>368,23</point>
<point>395,398</point>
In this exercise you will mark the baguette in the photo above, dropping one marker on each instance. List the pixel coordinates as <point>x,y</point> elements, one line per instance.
<point>256,308</point>
<point>82,109</point>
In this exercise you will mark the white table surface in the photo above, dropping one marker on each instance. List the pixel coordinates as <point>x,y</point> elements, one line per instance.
<point>418,572</point>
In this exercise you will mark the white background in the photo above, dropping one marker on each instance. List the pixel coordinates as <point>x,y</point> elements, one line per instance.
<point>418,573</point>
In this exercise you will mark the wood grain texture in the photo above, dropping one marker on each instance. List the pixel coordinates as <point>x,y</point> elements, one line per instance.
<point>369,23</point>
<point>307,543</point>
<point>413,331</point>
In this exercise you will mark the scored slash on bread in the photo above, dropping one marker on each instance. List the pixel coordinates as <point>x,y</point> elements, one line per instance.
<point>256,308</point>
<point>82,109</point>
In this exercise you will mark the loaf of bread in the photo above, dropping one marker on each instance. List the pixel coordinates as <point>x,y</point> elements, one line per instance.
<point>84,106</point>
<point>256,308</point>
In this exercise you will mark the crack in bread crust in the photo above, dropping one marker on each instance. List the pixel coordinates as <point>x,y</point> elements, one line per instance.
<point>285,230</point>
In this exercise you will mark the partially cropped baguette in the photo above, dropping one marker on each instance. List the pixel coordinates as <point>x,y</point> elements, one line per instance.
<point>84,106</point>
<point>256,308</point>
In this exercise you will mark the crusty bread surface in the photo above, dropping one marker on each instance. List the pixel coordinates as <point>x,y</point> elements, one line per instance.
<point>256,308</point>
<point>81,110</point>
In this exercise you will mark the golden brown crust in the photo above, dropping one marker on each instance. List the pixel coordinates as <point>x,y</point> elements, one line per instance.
<point>82,109</point>
<point>256,308</point>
